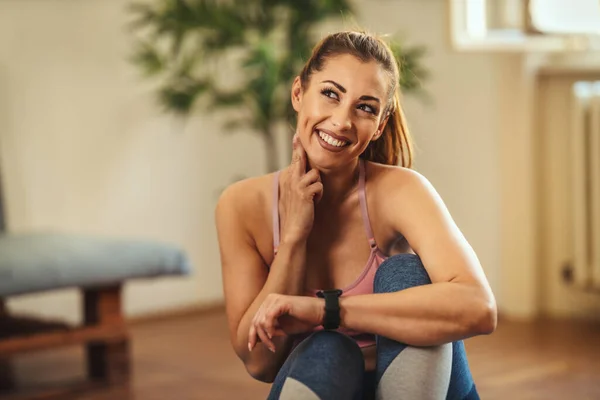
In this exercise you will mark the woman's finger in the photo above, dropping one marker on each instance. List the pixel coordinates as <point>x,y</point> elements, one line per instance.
<point>315,191</point>
<point>299,158</point>
<point>310,177</point>
<point>270,320</point>
<point>279,332</point>
<point>264,337</point>
<point>295,155</point>
<point>251,337</point>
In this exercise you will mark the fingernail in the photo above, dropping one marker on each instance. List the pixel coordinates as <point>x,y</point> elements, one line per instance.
<point>249,347</point>
<point>269,335</point>
<point>272,349</point>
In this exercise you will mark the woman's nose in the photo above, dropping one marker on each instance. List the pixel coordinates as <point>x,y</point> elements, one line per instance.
<point>341,118</point>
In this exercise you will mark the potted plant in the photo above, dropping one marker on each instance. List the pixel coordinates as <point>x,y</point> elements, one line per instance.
<point>183,44</point>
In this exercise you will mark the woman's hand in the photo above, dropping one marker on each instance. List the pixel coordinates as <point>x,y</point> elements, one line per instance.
<point>281,315</point>
<point>300,192</point>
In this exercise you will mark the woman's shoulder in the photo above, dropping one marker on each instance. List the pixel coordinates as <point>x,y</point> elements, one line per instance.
<point>247,196</point>
<point>406,191</point>
<point>390,178</point>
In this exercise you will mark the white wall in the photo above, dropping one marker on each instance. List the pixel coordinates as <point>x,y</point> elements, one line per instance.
<point>85,150</point>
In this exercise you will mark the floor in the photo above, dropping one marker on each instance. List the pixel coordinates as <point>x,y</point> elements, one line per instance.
<point>190,358</point>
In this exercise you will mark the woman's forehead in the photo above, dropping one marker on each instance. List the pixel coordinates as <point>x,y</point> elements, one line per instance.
<point>356,76</point>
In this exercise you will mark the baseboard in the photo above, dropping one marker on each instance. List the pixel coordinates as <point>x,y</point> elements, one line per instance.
<point>186,311</point>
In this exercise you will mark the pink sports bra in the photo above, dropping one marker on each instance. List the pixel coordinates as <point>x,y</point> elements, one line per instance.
<point>364,283</point>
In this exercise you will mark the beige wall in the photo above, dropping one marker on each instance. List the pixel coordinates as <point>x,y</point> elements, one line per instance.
<point>85,150</point>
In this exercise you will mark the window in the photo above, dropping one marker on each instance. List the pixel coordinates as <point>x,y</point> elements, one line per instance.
<point>525,25</point>
<point>565,17</point>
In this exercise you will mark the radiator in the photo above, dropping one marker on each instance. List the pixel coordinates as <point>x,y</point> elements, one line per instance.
<point>585,178</point>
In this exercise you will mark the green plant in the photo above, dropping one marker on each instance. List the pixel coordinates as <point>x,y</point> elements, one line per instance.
<point>186,44</point>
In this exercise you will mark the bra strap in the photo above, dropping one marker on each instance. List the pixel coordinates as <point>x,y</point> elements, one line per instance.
<point>363,204</point>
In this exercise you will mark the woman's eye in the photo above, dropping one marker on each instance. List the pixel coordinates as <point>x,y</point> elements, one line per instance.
<point>329,93</point>
<point>368,108</point>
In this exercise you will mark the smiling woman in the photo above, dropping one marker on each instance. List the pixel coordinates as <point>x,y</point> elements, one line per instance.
<point>344,273</point>
<point>327,109</point>
<point>371,94</point>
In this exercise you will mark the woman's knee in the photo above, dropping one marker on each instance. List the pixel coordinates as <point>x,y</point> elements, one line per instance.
<point>400,272</point>
<point>332,346</point>
<point>327,365</point>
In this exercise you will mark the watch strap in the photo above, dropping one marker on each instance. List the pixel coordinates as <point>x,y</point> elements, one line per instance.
<point>331,319</point>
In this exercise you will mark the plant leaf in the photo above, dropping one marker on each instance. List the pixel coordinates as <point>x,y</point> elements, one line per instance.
<point>148,58</point>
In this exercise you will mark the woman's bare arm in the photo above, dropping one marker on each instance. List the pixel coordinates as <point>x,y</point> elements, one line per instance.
<point>247,280</point>
<point>459,303</point>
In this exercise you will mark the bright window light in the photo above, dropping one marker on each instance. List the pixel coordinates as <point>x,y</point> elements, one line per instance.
<point>565,16</point>
<point>477,18</point>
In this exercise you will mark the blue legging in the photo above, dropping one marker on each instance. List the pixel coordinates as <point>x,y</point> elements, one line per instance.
<point>330,365</point>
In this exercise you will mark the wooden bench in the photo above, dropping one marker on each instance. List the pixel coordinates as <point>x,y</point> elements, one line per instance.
<point>99,267</point>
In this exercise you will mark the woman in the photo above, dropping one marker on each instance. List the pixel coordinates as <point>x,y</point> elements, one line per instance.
<point>345,217</point>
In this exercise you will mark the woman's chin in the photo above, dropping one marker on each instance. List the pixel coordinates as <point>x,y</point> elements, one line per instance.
<point>326,163</point>
<point>324,160</point>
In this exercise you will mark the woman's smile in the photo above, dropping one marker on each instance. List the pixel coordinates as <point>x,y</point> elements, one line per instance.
<point>329,142</point>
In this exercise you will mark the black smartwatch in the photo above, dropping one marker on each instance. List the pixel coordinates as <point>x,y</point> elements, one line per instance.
<point>332,307</point>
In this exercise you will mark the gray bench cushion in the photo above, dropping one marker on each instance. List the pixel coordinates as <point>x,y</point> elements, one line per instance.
<point>46,261</point>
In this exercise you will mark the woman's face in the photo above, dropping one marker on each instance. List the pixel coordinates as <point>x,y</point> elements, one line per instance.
<point>341,110</point>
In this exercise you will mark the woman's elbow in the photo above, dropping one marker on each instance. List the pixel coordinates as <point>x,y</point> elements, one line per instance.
<point>260,372</point>
<point>256,366</point>
<point>487,318</point>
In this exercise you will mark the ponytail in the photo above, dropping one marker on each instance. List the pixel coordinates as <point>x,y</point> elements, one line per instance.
<point>394,147</point>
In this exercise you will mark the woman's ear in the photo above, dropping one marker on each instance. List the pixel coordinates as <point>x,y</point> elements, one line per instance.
<point>297,94</point>
<point>381,127</point>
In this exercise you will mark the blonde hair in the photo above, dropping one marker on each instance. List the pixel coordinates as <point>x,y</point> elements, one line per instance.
<point>395,144</point>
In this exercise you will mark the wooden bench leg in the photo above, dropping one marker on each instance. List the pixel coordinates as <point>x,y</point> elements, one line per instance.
<point>108,360</point>
<point>7,379</point>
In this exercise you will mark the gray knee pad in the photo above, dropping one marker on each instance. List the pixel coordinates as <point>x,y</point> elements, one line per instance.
<point>417,373</point>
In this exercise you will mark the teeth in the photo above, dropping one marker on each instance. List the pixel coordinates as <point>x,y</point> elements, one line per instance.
<point>330,140</point>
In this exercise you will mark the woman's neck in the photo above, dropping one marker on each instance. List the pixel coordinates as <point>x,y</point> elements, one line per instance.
<point>338,184</point>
